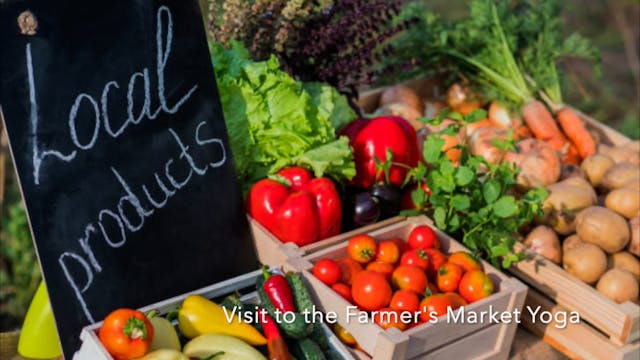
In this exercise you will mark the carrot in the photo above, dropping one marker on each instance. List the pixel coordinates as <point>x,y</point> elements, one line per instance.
<point>544,128</point>
<point>575,130</point>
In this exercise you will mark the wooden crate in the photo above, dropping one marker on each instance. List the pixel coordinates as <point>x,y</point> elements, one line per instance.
<point>272,251</point>
<point>608,328</point>
<point>440,340</point>
<point>92,349</point>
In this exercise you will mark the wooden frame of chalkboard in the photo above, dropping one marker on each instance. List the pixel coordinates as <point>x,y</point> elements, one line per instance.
<point>121,149</point>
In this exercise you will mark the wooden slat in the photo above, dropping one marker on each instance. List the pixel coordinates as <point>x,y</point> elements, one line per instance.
<point>620,322</point>
<point>577,341</point>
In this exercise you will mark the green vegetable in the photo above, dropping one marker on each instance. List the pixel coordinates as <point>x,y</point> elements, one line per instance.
<point>274,121</point>
<point>306,349</point>
<point>296,329</point>
<point>305,304</point>
<point>475,201</point>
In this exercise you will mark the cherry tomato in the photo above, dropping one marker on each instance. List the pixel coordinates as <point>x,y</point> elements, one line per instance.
<point>405,300</point>
<point>465,260</point>
<point>457,300</point>
<point>348,269</point>
<point>388,252</point>
<point>409,278</point>
<point>415,257</point>
<point>327,271</point>
<point>448,277</point>
<point>401,244</point>
<point>434,306</point>
<point>371,291</point>
<point>431,290</point>
<point>126,334</point>
<point>423,237</point>
<point>389,318</point>
<point>436,260</point>
<point>362,248</point>
<point>383,268</point>
<point>475,285</point>
<point>344,291</point>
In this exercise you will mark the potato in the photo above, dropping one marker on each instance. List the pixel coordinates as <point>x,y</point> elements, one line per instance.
<point>620,174</point>
<point>618,285</point>
<point>404,111</point>
<point>544,241</point>
<point>625,261</point>
<point>571,170</point>
<point>595,166</point>
<point>624,201</point>
<point>634,243</point>
<point>625,153</point>
<point>571,242</point>
<point>587,262</point>
<point>603,227</point>
<point>539,164</point>
<point>566,199</point>
<point>404,95</point>
<point>633,184</point>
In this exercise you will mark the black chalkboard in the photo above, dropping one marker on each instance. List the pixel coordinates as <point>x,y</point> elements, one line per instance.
<point>120,145</point>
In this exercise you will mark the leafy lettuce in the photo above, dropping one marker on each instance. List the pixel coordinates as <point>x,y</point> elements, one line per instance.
<point>274,121</point>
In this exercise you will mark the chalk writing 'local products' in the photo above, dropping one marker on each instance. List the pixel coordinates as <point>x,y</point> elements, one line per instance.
<point>163,44</point>
<point>114,223</point>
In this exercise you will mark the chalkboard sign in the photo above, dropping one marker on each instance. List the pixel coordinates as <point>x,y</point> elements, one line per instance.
<point>119,140</point>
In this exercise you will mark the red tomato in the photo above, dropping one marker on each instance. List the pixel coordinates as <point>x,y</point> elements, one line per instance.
<point>371,291</point>
<point>348,269</point>
<point>434,306</point>
<point>448,277</point>
<point>327,271</point>
<point>475,285</point>
<point>383,268</point>
<point>431,290</point>
<point>401,244</point>
<point>362,248</point>
<point>405,300</point>
<point>126,334</point>
<point>465,260</point>
<point>388,252</point>
<point>415,257</point>
<point>457,300</point>
<point>389,318</point>
<point>436,260</point>
<point>409,278</point>
<point>423,237</point>
<point>344,291</point>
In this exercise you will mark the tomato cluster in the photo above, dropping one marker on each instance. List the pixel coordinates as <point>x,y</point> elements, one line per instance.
<point>397,276</point>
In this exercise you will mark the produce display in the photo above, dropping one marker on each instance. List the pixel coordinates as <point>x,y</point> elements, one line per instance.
<point>254,328</point>
<point>402,283</point>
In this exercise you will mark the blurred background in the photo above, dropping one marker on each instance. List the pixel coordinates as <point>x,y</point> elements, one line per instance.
<point>614,99</point>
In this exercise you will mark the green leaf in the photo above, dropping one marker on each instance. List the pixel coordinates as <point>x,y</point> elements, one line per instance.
<point>475,116</point>
<point>432,148</point>
<point>419,197</point>
<point>455,116</point>
<point>491,190</point>
<point>440,217</point>
<point>460,202</point>
<point>505,206</point>
<point>464,175</point>
<point>447,168</point>
<point>409,213</point>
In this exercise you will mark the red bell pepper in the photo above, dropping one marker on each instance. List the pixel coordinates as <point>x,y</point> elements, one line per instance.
<point>303,212</point>
<point>370,138</point>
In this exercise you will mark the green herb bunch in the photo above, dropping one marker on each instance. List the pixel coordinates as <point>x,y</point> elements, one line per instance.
<point>474,200</point>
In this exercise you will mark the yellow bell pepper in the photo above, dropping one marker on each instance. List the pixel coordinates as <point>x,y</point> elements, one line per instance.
<point>198,315</point>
